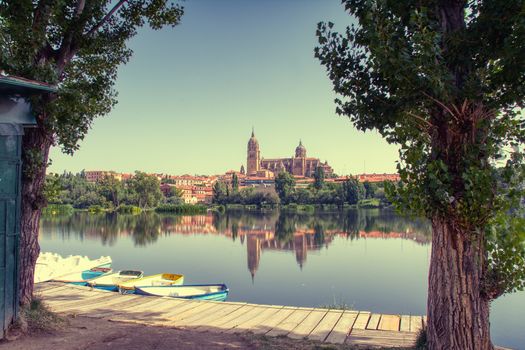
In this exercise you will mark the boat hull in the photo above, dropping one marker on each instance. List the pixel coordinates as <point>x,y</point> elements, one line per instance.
<point>171,291</point>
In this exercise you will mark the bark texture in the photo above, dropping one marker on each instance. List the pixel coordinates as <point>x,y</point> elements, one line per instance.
<point>36,144</point>
<point>458,314</point>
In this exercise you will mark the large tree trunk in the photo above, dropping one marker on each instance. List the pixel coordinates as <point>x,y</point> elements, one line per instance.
<point>458,314</point>
<point>36,145</point>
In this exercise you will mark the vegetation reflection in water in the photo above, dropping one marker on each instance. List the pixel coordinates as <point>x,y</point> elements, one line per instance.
<point>266,230</point>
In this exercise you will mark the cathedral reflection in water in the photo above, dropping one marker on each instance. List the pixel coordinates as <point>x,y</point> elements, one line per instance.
<point>273,231</point>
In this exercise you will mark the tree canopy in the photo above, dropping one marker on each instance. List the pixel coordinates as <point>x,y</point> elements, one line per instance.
<point>451,100</point>
<point>445,80</point>
<point>78,45</point>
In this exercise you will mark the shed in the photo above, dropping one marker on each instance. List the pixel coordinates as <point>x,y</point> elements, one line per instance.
<point>15,115</point>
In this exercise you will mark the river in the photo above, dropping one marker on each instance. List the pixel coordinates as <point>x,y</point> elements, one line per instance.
<point>369,260</point>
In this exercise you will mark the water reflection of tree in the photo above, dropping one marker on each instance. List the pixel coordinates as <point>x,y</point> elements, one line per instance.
<point>146,227</point>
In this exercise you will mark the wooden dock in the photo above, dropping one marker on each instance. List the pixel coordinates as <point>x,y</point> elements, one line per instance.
<point>330,326</point>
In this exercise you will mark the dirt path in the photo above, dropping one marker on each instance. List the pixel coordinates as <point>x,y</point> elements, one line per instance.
<point>84,333</point>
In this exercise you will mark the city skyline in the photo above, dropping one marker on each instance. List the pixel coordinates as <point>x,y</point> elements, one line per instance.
<point>190,96</point>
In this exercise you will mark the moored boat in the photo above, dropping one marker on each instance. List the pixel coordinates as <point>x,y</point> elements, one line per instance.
<point>216,292</point>
<point>50,266</point>
<point>112,281</point>
<point>159,280</point>
<point>82,278</point>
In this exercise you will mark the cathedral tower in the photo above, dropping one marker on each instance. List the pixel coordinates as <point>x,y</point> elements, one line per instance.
<point>253,161</point>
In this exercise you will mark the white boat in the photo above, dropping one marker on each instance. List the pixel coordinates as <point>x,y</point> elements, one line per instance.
<point>217,292</point>
<point>161,279</point>
<point>50,266</point>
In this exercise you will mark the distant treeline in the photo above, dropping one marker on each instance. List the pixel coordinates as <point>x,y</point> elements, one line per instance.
<point>68,191</point>
<point>318,195</point>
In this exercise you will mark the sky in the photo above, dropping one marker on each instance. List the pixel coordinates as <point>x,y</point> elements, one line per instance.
<point>190,95</point>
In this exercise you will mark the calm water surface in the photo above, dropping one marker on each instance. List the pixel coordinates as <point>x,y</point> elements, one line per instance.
<point>367,259</point>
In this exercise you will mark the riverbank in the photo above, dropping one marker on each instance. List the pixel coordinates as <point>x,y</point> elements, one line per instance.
<point>94,334</point>
<point>195,209</point>
<point>356,328</point>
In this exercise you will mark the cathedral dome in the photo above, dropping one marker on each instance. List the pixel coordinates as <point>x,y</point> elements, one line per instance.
<point>300,151</point>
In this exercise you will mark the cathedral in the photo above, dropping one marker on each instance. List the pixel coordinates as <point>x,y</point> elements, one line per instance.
<point>300,165</point>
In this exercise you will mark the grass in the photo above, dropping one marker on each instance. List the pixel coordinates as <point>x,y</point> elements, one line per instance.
<point>370,203</point>
<point>37,318</point>
<point>421,340</point>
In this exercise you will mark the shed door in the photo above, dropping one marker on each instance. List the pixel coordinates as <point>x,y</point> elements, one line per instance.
<point>10,150</point>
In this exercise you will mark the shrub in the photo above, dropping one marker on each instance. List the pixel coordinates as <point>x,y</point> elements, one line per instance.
<point>129,209</point>
<point>58,209</point>
<point>182,208</point>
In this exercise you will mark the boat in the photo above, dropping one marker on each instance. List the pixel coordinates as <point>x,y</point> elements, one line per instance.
<point>159,280</point>
<point>50,266</point>
<point>82,278</point>
<point>112,281</point>
<point>216,292</point>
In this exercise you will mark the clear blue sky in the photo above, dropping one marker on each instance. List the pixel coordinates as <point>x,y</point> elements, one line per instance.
<point>190,95</point>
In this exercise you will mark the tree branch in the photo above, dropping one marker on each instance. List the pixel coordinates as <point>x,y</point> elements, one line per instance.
<point>65,51</point>
<point>106,17</point>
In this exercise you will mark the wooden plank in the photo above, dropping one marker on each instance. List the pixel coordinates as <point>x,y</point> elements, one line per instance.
<point>178,319</point>
<point>325,326</point>
<point>44,287</point>
<point>62,290</point>
<point>362,320</point>
<point>225,310</point>
<point>63,304</point>
<point>100,300</point>
<point>201,315</point>
<point>216,324</point>
<point>373,322</point>
<point>376,338</point>
<point>254,321</point>
<point>139,308</point>
<point>389,323</point>
<point>242,318</point>
<point>172,311</point>
<point>416,322</point>
<point>304,328</point>
<point>149,313</point>
<point>271,322</point>
<point>289,323</point>
<point>105,308</point>
<point>342,328</point>
<point>405,323</point>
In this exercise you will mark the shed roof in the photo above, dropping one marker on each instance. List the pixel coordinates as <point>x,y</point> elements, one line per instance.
<point>18,85</point>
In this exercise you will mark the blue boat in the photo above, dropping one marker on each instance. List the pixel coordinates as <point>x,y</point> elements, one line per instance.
<point>216,292</point>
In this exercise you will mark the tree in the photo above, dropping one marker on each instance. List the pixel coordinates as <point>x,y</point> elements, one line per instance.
<point>235,183</point>
<point>174,195</point>
<point>77,45</point>
<point>369,189</point>
<point>351,191</point>
<point>147,189</point>
<point>111,189</point>
<point>284,186</point>
<point>318,178</point>
<point>443,79</point>
<point>219,192</point>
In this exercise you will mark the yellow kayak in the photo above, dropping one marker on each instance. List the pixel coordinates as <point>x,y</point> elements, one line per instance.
<point>161,279</point>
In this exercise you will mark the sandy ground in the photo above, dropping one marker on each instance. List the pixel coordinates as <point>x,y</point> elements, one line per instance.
<point>84,333</point>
